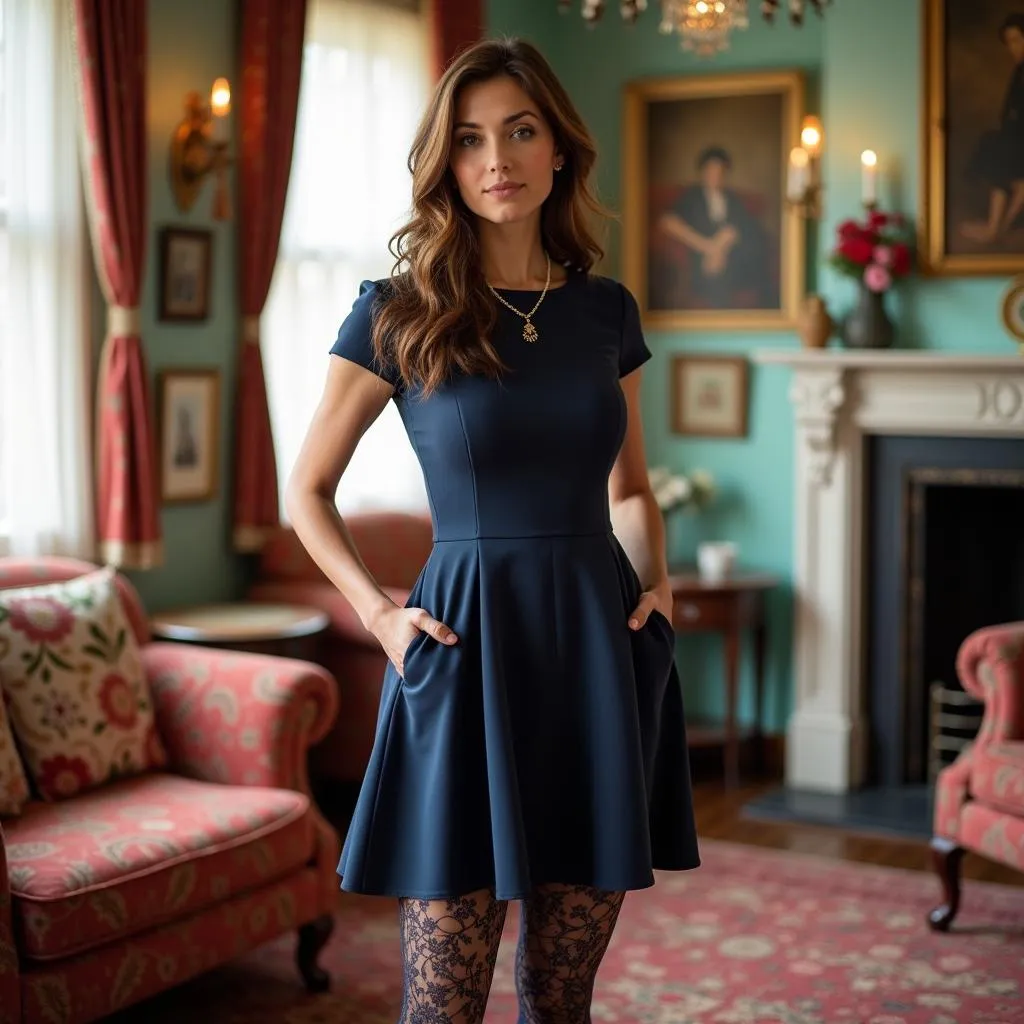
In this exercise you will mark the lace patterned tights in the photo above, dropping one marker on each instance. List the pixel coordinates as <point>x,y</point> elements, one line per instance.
<point>450,946</point>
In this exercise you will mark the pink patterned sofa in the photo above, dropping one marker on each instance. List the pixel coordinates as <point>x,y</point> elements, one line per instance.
<point>979,800</point>
<point>132,887</point>
<point>394,546</point>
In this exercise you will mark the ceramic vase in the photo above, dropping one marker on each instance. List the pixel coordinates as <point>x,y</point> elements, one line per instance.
<point>867,325</point>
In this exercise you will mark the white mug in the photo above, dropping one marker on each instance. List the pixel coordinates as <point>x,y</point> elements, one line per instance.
<point>716,559</point>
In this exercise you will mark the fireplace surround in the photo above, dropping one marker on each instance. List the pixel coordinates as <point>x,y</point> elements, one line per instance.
<point>841,399</point>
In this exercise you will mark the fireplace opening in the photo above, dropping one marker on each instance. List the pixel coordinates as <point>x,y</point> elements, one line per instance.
<point>945,557</point>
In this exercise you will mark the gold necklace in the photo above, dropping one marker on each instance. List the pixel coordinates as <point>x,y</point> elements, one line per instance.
<point>529,331</point>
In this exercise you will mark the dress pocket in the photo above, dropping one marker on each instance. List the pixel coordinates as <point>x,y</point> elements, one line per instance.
<point>410,653</point>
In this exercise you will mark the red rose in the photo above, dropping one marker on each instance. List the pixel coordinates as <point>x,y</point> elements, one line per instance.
<point>877,220</point>
<point>61,776</point>
<point>900,259</point>
<point>118,701</point>
<point>857,249</point>
<point>42,619</point>
<point>849,229</point>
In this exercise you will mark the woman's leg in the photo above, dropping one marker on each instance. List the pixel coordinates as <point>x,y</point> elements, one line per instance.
<point>449,948</point>
<point>564,934</point>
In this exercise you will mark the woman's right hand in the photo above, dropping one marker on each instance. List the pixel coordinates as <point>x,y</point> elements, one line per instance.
<point>398,627</point>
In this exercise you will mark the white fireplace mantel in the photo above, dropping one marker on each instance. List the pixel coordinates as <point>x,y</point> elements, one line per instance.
<point>839,398</point>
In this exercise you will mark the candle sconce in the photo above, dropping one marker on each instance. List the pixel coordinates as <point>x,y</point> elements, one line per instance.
<point>803,180</point>
<point>199,148</point>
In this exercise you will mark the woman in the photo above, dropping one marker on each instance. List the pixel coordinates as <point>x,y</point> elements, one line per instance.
<point>729,258</point>
<point>997,162</point>
<point>530,741</point>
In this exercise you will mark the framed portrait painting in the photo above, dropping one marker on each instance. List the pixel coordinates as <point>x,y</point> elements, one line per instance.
<point>184,286</point>
<point>709,396</point>
<point>973,163</point>
<point>709,240</point>
<point>189,413</point>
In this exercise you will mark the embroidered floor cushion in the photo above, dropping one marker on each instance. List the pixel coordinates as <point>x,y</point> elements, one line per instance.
<point>143,851</point>
<point>73,680</point>
<point>13,783</point>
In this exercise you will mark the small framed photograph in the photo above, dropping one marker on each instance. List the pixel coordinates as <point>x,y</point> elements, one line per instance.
<point>189,411</point>
<point>185,273</point>
<point>709,396</point>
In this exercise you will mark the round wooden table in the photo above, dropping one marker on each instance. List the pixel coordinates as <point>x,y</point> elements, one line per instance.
<point>287,630</point>
<point>729,606</point>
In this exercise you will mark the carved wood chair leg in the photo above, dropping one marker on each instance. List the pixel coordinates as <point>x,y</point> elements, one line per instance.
<point>312,939</point>
<point>946,858</point>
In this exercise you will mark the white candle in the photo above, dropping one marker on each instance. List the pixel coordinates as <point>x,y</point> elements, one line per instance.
<point>799,174</point>
<point>220,107</point>
<point>869,177</point>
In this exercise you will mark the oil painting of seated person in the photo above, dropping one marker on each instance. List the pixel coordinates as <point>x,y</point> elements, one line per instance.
<point>995,170</point>
<point>723,257</point>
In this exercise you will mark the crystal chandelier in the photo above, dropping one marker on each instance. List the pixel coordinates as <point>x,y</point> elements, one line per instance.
<point>702,25</point>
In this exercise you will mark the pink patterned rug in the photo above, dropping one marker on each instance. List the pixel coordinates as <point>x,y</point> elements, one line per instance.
<point>752,937</point>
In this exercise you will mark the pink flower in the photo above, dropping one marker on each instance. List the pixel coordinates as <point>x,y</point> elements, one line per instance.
<point>41,619</point>
<point>877,278</point>
<point>883,255</point>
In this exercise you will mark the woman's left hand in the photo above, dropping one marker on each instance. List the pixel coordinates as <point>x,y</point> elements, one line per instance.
<point>658,597</point>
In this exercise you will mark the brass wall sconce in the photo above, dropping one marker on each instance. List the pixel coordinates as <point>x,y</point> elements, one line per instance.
<point>199,148</point>
<point>803,182</point>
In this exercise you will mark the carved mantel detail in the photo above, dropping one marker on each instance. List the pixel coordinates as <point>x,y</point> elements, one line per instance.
<point>818,396</point>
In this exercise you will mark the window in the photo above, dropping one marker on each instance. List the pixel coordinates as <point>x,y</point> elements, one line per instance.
<point>364,85</point>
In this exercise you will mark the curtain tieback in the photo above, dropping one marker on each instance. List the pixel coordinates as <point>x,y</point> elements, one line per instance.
<point>251,329</point>
<point>123,320</point>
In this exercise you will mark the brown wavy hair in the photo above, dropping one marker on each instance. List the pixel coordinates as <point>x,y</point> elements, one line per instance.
<point>439,315</point>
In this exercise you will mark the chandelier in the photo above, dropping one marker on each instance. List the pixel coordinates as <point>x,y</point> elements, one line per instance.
<point>703,26</point>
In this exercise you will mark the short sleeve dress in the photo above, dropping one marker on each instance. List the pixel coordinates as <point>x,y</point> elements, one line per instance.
<point>549,743</point>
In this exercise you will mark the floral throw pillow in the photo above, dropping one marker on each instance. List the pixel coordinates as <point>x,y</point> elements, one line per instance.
<point>77,697</point>
<point>13,784</point>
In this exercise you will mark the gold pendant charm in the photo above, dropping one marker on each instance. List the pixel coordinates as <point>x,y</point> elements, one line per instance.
<point>529,332</point>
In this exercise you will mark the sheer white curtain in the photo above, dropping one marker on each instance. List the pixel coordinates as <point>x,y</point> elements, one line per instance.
<point>44,430</point>
<point>364,83</point>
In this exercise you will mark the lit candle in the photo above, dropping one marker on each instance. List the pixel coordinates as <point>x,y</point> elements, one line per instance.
<point>798,177</point>
<point>869,177</point>
<point>812,136</point>
<point>220,107</point>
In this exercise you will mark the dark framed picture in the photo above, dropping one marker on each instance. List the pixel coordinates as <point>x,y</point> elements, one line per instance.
<point>973,166</point>
<point>709,241</point>
<point>709,396</point>
<point>189,414</point>
<point>185,269</point>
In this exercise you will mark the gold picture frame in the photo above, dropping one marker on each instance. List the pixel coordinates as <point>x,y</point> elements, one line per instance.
<point>189,429</point>
<point>674,128</point>
<point>966,71</point>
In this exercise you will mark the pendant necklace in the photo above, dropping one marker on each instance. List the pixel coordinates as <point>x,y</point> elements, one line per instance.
<point>529,331</point>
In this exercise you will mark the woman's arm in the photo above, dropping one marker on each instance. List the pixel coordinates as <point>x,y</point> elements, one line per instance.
<point>353,398</point>
<point>636,518</point>
<point>674,226</point>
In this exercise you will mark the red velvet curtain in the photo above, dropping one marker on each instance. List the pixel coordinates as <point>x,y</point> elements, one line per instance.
<point>110,54</point>
<point>453,25</point>
<point>272,38</point>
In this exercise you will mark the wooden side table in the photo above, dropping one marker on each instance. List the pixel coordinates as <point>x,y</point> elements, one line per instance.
<point>729,607</point>
<point>287,630</point>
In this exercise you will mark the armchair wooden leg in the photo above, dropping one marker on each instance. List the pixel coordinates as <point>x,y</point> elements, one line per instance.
<point>312,939</point>
<point>946,857</point>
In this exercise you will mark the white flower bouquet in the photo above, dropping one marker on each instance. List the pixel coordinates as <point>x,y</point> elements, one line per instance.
<point>692,491</point>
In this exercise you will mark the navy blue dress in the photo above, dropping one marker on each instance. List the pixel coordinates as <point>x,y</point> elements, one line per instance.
<point>548,744</point>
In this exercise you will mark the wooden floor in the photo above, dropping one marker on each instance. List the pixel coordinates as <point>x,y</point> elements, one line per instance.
<point>718,817</point>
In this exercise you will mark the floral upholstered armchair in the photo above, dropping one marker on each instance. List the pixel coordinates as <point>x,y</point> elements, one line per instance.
<point>979,799</point>
<point>131,885</point>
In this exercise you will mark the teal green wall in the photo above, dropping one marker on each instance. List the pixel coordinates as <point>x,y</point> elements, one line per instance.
<point>191,42</point>
<point>863,65</point>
